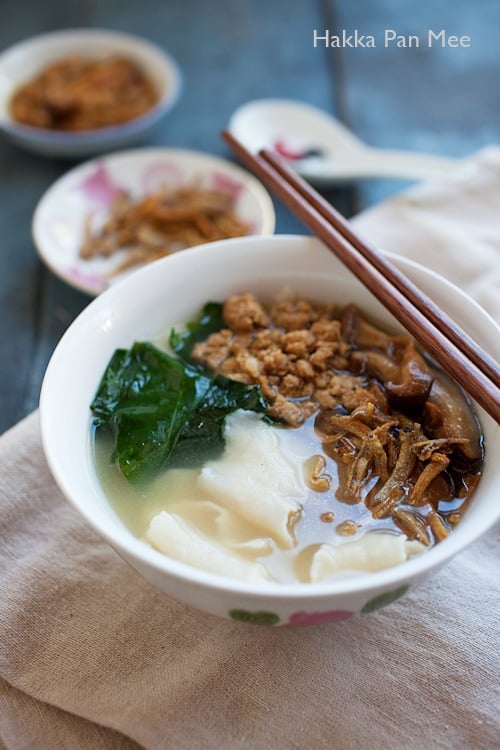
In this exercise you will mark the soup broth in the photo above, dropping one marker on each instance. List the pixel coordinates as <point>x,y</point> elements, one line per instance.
<point>366,456</point>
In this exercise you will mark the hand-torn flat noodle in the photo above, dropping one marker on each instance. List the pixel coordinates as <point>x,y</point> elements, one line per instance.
<point>223,526</point>
<point>76,93</point>
<point>178,492</point>
<point>374,551</point>
<point>172,535</point>
<point>256,479</point>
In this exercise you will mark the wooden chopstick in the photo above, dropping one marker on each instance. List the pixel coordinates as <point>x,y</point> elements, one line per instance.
<point>438,317</point>
<point>303,202</point>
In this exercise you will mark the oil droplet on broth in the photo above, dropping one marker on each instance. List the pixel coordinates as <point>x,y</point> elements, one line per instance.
<point>346,528</point>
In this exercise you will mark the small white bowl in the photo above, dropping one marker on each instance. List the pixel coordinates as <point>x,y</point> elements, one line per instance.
<point>24,60</point>
<point>144,306</point>
<point>59,218</point>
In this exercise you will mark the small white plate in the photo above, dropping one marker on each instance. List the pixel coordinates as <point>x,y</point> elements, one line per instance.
<point>24,60</point>
<point>59,218</point>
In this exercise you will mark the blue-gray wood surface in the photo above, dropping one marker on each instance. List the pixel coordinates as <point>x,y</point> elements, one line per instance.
<point>439,100</point>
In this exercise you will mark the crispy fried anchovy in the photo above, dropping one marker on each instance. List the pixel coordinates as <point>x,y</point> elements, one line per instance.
<point>425,448</point>
<point>379,440</point>
<point>331,421</point>
<point>438,526</point>
<point>393,489</point>
<point>412,525</point>
<point>344,450</point>
<point>356,474</point>
<point>438,463</point>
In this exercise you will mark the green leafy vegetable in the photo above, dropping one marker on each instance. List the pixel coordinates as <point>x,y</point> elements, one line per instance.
<point>210,321</point>
<point>164,412</point>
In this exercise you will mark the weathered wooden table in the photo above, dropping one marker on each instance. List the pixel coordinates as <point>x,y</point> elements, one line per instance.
<point>441,100</point>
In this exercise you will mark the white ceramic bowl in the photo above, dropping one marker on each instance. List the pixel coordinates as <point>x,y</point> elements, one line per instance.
<point>173,290</point>
<point>24,60</point>
<point>59,218</point>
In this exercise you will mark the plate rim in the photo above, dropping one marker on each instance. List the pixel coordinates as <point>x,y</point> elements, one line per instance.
<point>146,153</point>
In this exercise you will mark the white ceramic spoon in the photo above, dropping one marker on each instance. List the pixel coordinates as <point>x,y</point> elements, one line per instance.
<point>294,129</point>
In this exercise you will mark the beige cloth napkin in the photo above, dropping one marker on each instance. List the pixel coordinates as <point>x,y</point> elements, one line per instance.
<point>91,656</point>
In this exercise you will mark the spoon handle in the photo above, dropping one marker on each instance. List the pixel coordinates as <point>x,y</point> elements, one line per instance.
<point>378,163</point>
<point>410,164</point>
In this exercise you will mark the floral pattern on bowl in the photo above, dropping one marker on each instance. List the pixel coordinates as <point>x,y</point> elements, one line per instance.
<point>87,191</point>
<point>302,617</point>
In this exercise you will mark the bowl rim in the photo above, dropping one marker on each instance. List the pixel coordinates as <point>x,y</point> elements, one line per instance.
<point>145,555</point>
<point>146,153</point>
<point>92,136</point>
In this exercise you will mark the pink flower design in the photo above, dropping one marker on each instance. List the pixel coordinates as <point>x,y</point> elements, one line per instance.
<point>161,173</point>
<point>287,152</point>
<point>94,280</point>
<point>226,184</point>
<point>318,618</point>
<point>99,187</point>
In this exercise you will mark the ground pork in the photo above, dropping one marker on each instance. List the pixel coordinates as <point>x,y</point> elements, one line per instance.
<point>295,353</point>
